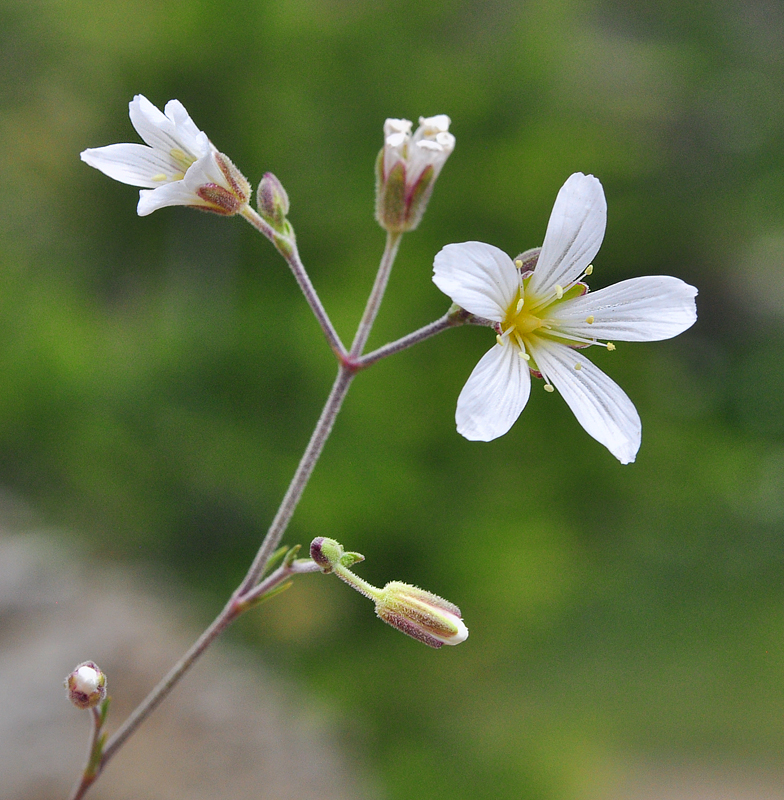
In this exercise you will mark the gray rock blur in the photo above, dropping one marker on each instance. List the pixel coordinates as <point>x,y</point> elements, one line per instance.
<point>228,731</point>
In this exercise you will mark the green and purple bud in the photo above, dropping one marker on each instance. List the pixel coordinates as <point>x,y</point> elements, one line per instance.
<point>272,202</point>
<point>86,685</point>
<point>407,168</point>
<point>422,615</point>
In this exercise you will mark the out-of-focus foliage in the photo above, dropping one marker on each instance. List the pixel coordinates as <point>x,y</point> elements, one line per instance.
<point>160,376</point>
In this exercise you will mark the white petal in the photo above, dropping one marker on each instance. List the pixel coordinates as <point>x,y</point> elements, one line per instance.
<point>161,133</point>
<point>599,404</point>
<point>574,234</point>
<point>170,194</point>
<point>187,131</point>
<point>134,164</point>
<point>494,395</point>
<point>478,277</point>
<point>638,310</point>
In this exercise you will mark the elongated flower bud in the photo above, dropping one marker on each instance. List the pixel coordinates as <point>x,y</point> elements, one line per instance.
<point>273,201</point>
<point>421,614</point>
<point>86,685</point>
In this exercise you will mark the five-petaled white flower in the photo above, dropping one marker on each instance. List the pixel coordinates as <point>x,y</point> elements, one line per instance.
<point>542,311</point>
<point>179,166</point>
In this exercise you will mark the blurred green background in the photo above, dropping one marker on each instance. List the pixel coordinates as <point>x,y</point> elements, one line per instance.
<point>161,376</point>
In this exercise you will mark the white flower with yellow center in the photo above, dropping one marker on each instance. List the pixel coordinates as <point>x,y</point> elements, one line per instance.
<point>544,315</point>
<point>179,165</point>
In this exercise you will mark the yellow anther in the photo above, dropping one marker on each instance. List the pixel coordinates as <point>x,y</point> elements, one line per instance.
<point>558,291</point>
<point>499,338</point>
<point>548,387</point>
<point>578,365</point>
<point>520,304</point>
<point>589,320</point>
<point>518,263</point>
<point>589,269</point>
<point>610,346</point>
<point>159,177</point>
<point>525,355</point>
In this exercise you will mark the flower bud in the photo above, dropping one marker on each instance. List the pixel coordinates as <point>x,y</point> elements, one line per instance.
<point>329,554</point>
<point>273,201</point>
<point>86,685</point>
<point>420,614</point>
<point>407,168</point>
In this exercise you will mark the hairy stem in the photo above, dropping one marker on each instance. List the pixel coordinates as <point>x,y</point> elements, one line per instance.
<point>376,294</point>
<point>288,249</point>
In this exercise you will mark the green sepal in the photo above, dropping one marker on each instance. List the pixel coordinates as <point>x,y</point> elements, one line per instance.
<point>257,601</point>
<point>291,555</point>
<point>349,559</point>
<point>417,202</point>
<point>275,559</point>
<point>391,199</point>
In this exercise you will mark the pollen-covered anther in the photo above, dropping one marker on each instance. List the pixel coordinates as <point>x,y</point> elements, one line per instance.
<point>589,269</point>
<point>520,304</point>
<point>518,263</point>
<point>590,319</point>
<point>548,387</point>
<point>525,355</point>
<point>578,366</point>
<point>559,291</point>
<point>499,338</point>
<point>610,346</point>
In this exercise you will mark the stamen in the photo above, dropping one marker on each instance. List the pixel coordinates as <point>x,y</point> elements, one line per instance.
<point>589,269</point>
<point>159,177</point>
<point>610,346</point>
<point>499,338</point>
<point>559,291</point>
<point>589,320</point>
<point>518,263</point>
<point>548,387</point>
<point>578,366</point>
<point>520,304</point>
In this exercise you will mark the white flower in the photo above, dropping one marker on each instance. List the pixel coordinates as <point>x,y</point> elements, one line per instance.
<point>407,168</point>
<point>541,316</point>
<point>179,166</point>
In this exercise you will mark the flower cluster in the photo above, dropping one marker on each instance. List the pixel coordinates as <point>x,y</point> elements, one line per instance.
<point>544,316</point>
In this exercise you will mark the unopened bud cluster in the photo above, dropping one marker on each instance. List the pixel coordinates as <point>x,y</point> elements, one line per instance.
<point>86,685</point>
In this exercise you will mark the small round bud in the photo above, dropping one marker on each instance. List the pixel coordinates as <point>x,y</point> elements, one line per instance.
<point>86,685</point>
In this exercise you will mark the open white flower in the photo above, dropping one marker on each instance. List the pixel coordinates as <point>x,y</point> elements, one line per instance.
<point>542,312</point>
<point>179,165</point>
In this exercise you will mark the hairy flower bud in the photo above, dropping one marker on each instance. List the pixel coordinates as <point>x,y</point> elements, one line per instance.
<point>86,685</point>
<point>407,168</point>
<point>272,201</point>
<point>423,615</point>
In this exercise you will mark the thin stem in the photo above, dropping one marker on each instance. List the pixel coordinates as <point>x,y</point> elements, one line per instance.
<point>90,772</point>
<point>442,324</point>
<point>376,295</point>
<point>161,691</point>
<point>250,589</point>
<point>287,247</point>
<point>299,481</point>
